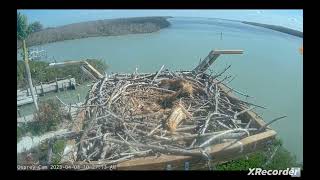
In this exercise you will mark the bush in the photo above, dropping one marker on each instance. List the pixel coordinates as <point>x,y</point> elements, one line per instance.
<point>20,132</point>
<point>57,150</point>
<point>48,117</point>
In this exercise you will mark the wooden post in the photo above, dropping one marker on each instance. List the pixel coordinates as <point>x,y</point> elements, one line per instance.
<point>74,84</point>
<point>19,112</point>
<point>70,84</point>
<point>42,91</point>
<point>70,114</point>
<point>212,56</point>
<point>57,84</point>
<point>78,97</point>
<point>35,88</point>
<point>50,144</point>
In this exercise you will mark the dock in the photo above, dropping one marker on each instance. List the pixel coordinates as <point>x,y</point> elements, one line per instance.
<point>24,96</point>
<point>73,110</point>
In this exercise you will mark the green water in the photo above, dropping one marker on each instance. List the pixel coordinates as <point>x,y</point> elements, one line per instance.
<point>270,68</point>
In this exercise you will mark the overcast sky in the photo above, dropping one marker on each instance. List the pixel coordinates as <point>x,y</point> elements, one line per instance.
<point>51,18</point>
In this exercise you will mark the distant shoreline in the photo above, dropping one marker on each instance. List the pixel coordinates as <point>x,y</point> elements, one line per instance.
<point>107,27</point>
<point>277,28</point>
<point>282,29</point>
<point>121,26</point>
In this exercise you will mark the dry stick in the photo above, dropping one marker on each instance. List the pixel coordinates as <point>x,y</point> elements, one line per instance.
<point>93,153</point>
<point>267,124</point>
<point>164,133</point>
<point>122,89</point>
<point>216,99</point>
<point>202,135</point>
<point>223,125</point>
<point>155,136</point>
<point>218,82</point>
<point>92,122</point>
<point>162,89</point>
<point>159,148</point>
<point>243,111</point>
<point>207,123</point>
<point>101,86</point>
<point>234,90</point>
<point>140,153</point>
<point>155,77</point>
<point>128,133</point>
<point>186,128</point>
<point>136,149</point>
<point>196,82</point>
<point>151,132</point>
<point>248,125</point>
<point>215,76</point>
<point>203,105</point>
<point>206,143</point>
<point>236,99</point>
<point>115,90</point>
<point>231,80</point>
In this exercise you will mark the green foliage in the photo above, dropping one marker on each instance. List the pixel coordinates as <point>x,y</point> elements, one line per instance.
<point>21,131</point>
<point>40,153</point>
<point>57,150</point>
<point>41,73</point>
<point>282,159</point>
<point>47,119</point>
<point>22,26</point>
<point>36,26</point>
<point>254,160</point>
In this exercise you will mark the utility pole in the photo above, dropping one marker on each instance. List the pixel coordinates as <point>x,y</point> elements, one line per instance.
<point>26,62</point>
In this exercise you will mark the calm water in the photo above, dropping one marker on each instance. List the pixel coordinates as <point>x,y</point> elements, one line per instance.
<point>270,68</point>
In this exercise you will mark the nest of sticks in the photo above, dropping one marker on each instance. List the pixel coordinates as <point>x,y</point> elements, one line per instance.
<point>176,113</point>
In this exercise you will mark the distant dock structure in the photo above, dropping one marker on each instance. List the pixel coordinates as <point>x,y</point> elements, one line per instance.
<point>36,54</point>
<point>24,96</point>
